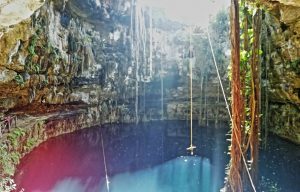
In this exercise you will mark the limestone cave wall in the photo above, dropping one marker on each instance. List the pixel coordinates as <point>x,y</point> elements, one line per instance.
<point>72,55</point>
<point>281,68</point>
<point>63,55</point>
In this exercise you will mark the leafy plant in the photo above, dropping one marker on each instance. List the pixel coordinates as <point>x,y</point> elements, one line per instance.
<point>31,50</point>
<point>5,160</point>
<point>7,184</point>
<point>14,136</point>
<point>32,44</point>
<point>295,65</point>
<point>30,144</point>
<point>19,79</point>
<point>33,67</point>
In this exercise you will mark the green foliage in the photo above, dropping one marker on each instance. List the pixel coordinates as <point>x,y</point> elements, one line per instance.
<point>30,144</point>
<point>31,50</point>
<point>5,160</point>
<point>10,151</point>
<point>19,79</point>
<point>9,156</point>
<point>45,82</point>
<point>15,135</point>
<point>7,184</point>
<point>295,65</point>
<point>32,44</point>
<point>33,67</point>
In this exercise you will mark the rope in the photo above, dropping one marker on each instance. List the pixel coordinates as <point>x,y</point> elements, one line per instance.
<point>229,113</point>
<point>219,77</point>
<point>105,167</point>
<point>191,147</point>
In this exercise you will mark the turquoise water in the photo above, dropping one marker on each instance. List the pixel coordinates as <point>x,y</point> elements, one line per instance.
<point>188,173</point>
<point>150,157</point>
<point>177,175</point>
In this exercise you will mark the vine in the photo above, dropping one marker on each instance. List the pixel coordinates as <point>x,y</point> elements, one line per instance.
<point>17,142</point>
<point>19,80</point>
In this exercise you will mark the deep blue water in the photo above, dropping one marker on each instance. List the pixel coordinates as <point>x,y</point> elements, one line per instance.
<point>150,157</point>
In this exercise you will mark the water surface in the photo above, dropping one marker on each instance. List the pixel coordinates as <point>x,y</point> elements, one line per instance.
<point>149,157</point>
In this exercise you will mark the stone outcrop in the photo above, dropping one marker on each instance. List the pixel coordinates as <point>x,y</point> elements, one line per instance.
<point>61,68</point>
<point>57,58</point>
<point>80,52</point>
<point>281,43</point>
<point>15,11</point>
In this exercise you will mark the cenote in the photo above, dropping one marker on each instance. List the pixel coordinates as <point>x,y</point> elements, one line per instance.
<point>148,157</point>
<point>149,96</point>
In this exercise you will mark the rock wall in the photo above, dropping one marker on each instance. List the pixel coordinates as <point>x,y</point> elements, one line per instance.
<point>60,66</point>
<point>56,57</point>
<point>83,53</point>
<point>78,54</point>
<point>281,74</point>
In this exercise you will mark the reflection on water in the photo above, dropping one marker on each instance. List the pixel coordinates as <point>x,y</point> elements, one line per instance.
<point>145,158</point>
<point>192,174</point>
<point>74,185</point>
<point>145,155</point>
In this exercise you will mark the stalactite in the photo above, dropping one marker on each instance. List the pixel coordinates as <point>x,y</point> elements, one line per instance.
<point>205,99</point>
<point>218,107</point>
<point>151,43</point>
<point>201,100</point>
<point>136,65</point>
<point>144,102</point>
<point>138,40</point>
<point>162,88</point>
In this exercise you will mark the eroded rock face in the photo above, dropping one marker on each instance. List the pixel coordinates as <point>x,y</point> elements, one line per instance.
<point>295,3</point>
<point>283,71</point>
<point>15,11</point>
<point>58,57</point>
<point>79,52</point>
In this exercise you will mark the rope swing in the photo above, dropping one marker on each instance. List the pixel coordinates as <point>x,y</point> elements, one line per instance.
<point>191,147</point>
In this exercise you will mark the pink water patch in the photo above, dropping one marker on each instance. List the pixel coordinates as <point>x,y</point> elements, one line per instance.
<point>72,157</point>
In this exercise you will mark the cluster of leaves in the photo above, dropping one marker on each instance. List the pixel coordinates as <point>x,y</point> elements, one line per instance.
<point>295,65</point>
<point>32,66</point>
<point>14,137</point>
<point>7,184</point>
<point>19,80</point>
<point>32,44</point>
<point>247,39</point>
<point>30,144</point>
<point>6,157</point>
<point>9,156</point>
<point>10,150</point>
